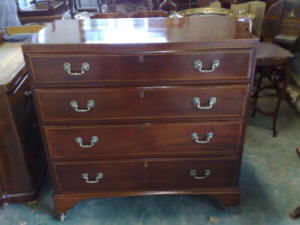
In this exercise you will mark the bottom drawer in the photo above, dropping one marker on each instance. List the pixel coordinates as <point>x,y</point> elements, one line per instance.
<point>152,174</point>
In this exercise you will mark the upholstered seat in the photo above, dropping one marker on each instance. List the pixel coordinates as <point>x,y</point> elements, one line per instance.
<point>270,54</point>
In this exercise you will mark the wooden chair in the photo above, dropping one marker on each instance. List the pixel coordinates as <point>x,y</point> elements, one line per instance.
<point>272,63</point>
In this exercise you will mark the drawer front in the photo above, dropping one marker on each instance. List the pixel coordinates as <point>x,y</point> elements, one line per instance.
<point>192,173</point>
<point>100,176</point>
<point>194,67</point>
<point>159,174</point>
<point>205,138</point>
<point>138,104</point>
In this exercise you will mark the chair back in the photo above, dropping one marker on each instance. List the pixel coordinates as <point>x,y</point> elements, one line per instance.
<point>282,18</point>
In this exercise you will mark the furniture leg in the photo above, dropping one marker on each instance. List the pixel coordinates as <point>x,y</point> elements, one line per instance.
<point>281,96</point>
<point>226,200</point>
<point>63,204</point>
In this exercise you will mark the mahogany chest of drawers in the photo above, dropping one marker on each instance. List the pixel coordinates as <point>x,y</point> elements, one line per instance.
<point>142,106</point>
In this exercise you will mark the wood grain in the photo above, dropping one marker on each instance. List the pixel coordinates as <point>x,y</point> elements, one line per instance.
<point>143,140</point>
<point>107,69</point>
<point>126,103</point>
<point>146,174</point>
<point>143,80</point>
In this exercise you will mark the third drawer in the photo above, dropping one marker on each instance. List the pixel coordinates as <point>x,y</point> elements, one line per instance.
<point>204,138</point>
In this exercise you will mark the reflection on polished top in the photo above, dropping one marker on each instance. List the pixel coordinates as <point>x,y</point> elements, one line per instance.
<point>147,31</point>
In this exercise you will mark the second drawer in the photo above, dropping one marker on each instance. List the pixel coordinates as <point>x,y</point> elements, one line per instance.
<point>205,138</point>
<point>140,104</point>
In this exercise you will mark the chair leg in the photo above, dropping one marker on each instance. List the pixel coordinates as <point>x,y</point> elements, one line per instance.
<point>281,96</point>
<point>256,94</point>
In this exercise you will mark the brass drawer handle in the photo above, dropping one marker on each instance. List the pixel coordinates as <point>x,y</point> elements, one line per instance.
<point>209,136</point>
<point>198,65</point>
<point>207,173</point>
<point>68,68</point>
<point>85,176</point>
<point>90,105</point>
<point>197,103</point>
<point>94,140</point>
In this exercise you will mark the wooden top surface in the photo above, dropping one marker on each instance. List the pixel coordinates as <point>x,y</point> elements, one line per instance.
<point>141,34</point>
<point>11,62</point>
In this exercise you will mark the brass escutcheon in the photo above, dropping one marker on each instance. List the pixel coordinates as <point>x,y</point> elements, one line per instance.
<point>141,129</point>
<point>142,94</point>
<point>141,59</point>
<point>145,164</point>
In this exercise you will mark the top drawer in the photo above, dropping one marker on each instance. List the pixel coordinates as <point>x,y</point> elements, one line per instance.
<point>198,67</point>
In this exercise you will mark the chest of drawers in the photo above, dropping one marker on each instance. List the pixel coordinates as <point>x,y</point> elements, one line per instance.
<point>142,106</point>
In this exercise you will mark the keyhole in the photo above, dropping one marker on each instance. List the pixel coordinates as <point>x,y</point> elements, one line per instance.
<point>145,164</point>
<point>141,59</point>
<point>141,129</point>
<point>142,94</point>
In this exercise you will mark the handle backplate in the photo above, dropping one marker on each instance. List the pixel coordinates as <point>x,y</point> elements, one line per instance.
<point>206,174</point>
<point>85,176</point>
<point>199,66</point>
<point>94,140</point>
<point>90,104</point>
<point>209,136</point>
<point>211,103</point>
<point>68,68</point>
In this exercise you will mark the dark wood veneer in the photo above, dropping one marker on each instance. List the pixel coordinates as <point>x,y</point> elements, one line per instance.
<point>142,174</point>
<point>143,103</point>
<point>144,113</point>
<point>127,68</point>
<point>143,140</point>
